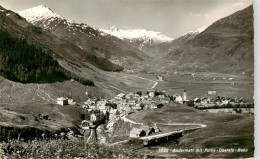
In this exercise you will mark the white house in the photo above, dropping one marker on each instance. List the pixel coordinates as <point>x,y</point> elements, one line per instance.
<point>153,106</point>
<point>179,99</point>
<point>165,100</point>
<point>71,102</point>
<point>62,101</point>
<point>151,94</point>
<point>131,102</point>
<point>161,96</point>
<point>212,92</point>
<point>137,107</point>
<point>93,117</point>
<point>119,96</point>
<point>101,103</point>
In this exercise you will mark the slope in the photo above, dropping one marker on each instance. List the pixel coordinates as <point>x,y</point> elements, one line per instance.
<point>226,46</point>
<point>83,36</point>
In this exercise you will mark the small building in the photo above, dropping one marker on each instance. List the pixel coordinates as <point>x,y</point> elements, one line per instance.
<point>153,106</point>
<point>151,94</point>
<point>62,101</point>
<point>119,96</point>
<point>71,102</point>
<point>137,107</point>
<point>165,100</point>
<point>131,102</point>
<point>179,99</point>
<point>156,129</point>
<point>212,92</point>
<point>101,103</point>
<point>136,133</point>
<point>85,124</point>
<point>93,117</point>
<point>161,96</point>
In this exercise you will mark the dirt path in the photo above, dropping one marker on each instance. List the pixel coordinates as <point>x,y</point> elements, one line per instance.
<point>131,121</point>
<point>117,88</point>
<point>154,85</point>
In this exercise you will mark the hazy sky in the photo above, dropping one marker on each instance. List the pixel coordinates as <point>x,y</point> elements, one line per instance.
<point>171,17</point>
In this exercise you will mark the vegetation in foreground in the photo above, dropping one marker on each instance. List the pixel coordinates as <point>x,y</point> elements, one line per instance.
<point>60,148</point>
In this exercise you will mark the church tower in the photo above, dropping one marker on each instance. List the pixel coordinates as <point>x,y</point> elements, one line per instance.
<point>184,97</point>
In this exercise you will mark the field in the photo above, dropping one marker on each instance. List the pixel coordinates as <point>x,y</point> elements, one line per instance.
<point>222,131</point>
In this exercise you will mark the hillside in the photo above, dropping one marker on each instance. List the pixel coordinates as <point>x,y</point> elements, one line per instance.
<point>83,36</point>
<point>62,49</point>
<point>159,50</point>
<point>22,62</point>
<point>226,46</point>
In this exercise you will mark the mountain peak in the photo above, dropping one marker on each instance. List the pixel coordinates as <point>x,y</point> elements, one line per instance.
<point>113,28</point>
<point>137,34</point>
<point>37,13</point>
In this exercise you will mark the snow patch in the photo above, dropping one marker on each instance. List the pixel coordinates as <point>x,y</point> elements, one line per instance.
<point>41,13</point>
<point>137,34</point>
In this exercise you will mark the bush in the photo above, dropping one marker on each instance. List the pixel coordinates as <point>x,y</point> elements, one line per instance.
<point>135,141</point>
<point>139,93</point>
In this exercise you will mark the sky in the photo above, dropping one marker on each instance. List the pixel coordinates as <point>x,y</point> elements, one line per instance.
<point>170,17</point>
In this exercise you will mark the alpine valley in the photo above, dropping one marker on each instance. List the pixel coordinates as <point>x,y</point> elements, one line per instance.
<point>136,89</point>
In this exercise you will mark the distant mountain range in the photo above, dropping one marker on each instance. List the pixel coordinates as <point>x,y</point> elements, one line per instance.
<point>152,43</point>
<point>159,50</point>
<point>138,37</point>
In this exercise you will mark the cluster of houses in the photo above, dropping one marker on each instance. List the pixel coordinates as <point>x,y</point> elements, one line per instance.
<point>218,101</point>
<point>124,104</point>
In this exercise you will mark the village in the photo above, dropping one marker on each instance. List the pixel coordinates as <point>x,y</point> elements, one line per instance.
<point>121,105</point>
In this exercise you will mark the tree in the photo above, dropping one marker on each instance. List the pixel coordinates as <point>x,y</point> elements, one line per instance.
<point>139,93</point>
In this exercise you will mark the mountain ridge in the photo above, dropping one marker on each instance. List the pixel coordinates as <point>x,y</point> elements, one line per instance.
<point>225,46</point>
<point>86,38</point>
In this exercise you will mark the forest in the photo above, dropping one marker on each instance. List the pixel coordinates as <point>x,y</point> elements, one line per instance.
<point>27,63</point>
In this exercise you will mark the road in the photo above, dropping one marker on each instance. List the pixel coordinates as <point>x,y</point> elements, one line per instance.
<point>155,82</point>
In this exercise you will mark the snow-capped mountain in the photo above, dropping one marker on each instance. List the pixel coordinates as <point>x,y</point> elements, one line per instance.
<point>132,34</point>
<point>41,13</point>
<point>161,49</point>
<point>83,36</point>
<point>138,37</point>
